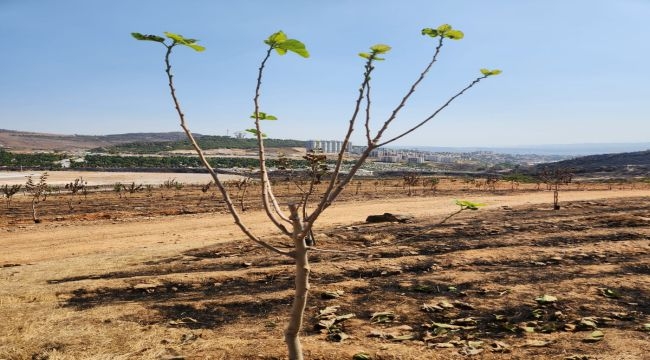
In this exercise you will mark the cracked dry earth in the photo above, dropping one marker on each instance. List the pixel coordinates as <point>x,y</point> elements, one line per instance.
<point>513,280</point>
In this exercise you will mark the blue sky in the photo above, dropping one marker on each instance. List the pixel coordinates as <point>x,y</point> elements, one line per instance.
<point>573,71</point>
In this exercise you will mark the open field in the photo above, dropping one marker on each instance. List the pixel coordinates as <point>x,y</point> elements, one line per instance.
<point>106,178</point>
<point>142,276</point>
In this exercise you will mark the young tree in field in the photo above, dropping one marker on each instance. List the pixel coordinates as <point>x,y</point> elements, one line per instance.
<point>433,183</point>
<point>553,179</point>
<point>297,223</point>
<point>411,180</point>
<point>78,186</point>
<point>39,192</point>
<point>9,191</point>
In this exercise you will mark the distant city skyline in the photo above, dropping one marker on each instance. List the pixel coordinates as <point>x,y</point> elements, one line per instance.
<point>573,72</point>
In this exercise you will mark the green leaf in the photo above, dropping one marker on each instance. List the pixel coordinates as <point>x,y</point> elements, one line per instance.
<point>175,37</point>
<point>255,132</point>
<point>454,34</point>
<point>282,44</point>
<point>464,204</point>
<point>380,48</point>
<point>276,38</point>
<point>488,72</point>
<point>196,47</point>
<point>431,32</point>
<point>179,39</point>
<point>365,55</point>
<point>155,38</point>
<point>444,28</point>
<point>263,116</point>
<point>295,46</point>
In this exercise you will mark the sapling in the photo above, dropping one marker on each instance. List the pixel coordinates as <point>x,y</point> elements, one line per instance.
<point>132,188</point>
<point>78,186</point>
<point>242,189</point>
<point>553,179</point>
<point>38,192</point>
<point>297,224</point>
<point>411,180</point>
<point>433,183</point>
<point>117,188</point>
<point>9,191</point>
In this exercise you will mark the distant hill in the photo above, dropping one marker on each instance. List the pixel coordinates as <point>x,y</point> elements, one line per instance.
<point>136,143</point>
<point>624,164</point>
<point>558,149</point>
<point>22,141</point>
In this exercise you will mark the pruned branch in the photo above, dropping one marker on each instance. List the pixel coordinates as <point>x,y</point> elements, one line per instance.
<point>206,164</point>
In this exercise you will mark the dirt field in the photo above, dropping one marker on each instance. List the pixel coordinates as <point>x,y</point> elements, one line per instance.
<point>106,178</point>
<point>167,275</point>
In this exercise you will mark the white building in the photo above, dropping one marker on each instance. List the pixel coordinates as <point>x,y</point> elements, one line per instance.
<point>327,146</point>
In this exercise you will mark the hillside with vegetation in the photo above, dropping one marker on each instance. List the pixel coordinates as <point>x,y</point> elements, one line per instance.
<point>623,164</point>
<point>24,141</point>
<point>207,142</point>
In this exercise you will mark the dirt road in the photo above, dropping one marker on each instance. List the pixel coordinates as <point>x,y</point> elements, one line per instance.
<point>162,236</point>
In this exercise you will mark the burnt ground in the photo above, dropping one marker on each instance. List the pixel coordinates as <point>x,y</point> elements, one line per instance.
<point>473,286</point>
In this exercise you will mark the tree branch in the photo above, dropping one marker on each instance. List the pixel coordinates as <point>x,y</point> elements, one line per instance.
<point>476,81</point>
<point>327,198</point>
<point>204,161</point>
<point>399,107</point>
<point>267,192</point>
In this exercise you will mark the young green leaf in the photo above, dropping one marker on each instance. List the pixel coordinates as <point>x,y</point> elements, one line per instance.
<point>196,47</point>
<point>255,132</point>
<point>155,38</point>
<point>464,204</point>
<point>294,46</point>
<point>282,44</point>
<point>380,48</point>
<point>276,38</point>
<point>264,116</point>
<point>454,34</point>
<point>445,31</point>
<point>488,72</point>
<point>431,32</point>
<point>444,28</point>
<point>365,55</point>
<point>179,39</point>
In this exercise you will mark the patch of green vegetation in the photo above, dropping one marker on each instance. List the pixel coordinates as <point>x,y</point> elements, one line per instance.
<point>37,160</point>
<point>206,142</point>
<point>520,178</point>
<point>177,162</point>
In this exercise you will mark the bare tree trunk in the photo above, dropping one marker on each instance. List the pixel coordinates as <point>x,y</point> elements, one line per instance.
<point>291,335</point>
<point>34,217</point>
